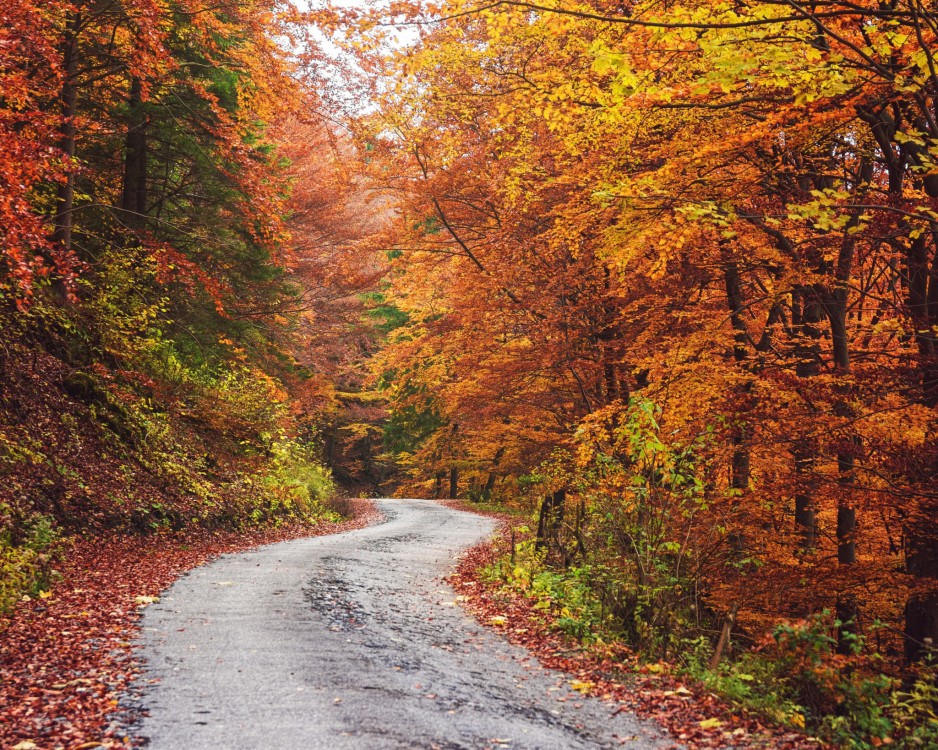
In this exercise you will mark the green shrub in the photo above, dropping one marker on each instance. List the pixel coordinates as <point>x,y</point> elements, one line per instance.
<point>567,597</point>
<point>297,486</point>
<point>913,711</point>
<point>26,567</point>
<point>796,678</point>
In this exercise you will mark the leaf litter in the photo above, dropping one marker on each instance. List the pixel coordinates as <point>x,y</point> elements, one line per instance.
<point>694,717</point>
<point>67,658</point>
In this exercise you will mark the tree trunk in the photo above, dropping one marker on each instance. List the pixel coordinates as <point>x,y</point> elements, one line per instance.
<point>740,461</point>
<point>493,475</point>
<point>835,305</point>
<point>921,561</point>
<point>724,640</point>
<point>921,279</point>
<point>453,482</point>
<point>550,517</point>
<point>921,532</point>
<point>806,316</point>
<point>134,193</point>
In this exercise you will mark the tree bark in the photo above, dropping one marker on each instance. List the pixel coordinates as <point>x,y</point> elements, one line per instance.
<point>134,193</point>
<point>551,515</point>
<point>920,274</point>
<point>493,475</point>
<point>724,639</point>
<point>806,316</point>
<point>835,305</point>
<point>921,609</point>
<point>453,482</point>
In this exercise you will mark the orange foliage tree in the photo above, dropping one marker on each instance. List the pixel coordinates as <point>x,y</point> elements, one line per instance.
<point>730,212</point>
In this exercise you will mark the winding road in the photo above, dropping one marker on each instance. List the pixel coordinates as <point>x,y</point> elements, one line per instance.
<point>354,641</point>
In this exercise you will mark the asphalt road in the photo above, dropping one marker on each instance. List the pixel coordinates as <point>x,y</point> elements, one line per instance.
<point>354,641</point>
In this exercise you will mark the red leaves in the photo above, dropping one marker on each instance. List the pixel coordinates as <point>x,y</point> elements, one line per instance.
<point>27,131</point>
<point>696,718</point>
<point>172,265</point>
<point>66,659</point>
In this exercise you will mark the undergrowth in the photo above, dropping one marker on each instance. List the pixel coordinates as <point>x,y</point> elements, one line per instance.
<point>28,552</point>
<point>793,677</point>
<point>113,417</point>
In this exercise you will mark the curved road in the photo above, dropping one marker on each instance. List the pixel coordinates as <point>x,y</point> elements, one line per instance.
<point>354,641</point>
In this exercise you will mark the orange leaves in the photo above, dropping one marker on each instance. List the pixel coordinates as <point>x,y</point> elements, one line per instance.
<point>171,265</point>
<point>719,209</point>
<point>27,134</point>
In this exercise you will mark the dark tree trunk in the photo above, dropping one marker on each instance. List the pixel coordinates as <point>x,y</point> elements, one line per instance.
<point>493,475</point>
<point>550,517</point>
<point>805,507</point>
<point>835,305</point>
<point>921,532</point>
<point>920,275</point>
<point>923,314</point>
<point>134,193</point>
<point>453,482</point>
<point>329,447</point>
<point>739,463</point>
<point>921,561</point>
<point>615,380</point>
<point>921,625</point>
<point>807,314</point>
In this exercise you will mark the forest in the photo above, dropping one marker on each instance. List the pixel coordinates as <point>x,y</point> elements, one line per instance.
<point>658,277</point>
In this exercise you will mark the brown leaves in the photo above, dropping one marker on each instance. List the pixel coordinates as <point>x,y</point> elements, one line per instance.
<point>697,719</point>
<point>66,659</point>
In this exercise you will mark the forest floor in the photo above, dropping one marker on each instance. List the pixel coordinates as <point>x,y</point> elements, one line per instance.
<point>67,657</point>
<point>688,711</point>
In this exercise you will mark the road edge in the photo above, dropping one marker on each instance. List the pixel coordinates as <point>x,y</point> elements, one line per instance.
<point>69,660</point>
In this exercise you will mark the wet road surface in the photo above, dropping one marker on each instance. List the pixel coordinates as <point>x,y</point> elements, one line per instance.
<point>354,641</point>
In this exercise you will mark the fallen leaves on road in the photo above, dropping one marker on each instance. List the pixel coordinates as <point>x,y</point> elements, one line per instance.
<point>67,657</point>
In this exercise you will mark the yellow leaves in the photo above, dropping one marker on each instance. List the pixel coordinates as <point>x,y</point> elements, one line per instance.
<point>145,600</point>
<point>499,621</point>
<point>910,135</point>
<point>920,63</point>
<point>74,615</point>
<point>660,265</point>
<point>582,686</point>
<point>711,723</point>
<point>796,719</point>
<point>617,66</point>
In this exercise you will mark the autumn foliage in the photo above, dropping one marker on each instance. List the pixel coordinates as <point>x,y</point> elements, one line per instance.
<point>148,301</point>
<point>676,262</point>
<point>667,272</point>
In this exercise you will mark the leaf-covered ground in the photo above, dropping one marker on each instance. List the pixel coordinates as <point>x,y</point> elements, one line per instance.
<point>66,658</point>
<point>694,716</point>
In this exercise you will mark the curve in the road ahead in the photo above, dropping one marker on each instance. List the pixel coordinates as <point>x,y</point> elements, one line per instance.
<point>353,641</point>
